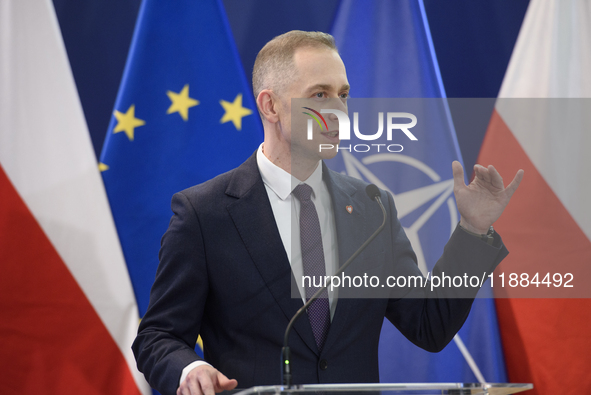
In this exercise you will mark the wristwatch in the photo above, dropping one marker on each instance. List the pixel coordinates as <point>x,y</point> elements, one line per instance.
<point>487,237</point>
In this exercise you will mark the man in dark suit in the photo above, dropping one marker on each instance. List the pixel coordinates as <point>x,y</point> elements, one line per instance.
<point>228,260</point>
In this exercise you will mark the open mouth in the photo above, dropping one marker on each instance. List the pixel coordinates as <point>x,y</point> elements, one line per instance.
<point>332,135</point>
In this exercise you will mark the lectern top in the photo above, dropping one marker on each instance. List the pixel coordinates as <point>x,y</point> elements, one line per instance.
<point>392,389</point>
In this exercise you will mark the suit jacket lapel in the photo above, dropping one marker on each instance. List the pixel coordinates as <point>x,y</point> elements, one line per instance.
<point>253,217</point>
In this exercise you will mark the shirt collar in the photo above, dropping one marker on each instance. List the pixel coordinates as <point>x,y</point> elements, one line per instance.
<point>280,181</point>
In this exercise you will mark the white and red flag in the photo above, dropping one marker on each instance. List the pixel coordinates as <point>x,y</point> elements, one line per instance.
<point>542,123</point>
<point>67,310</point>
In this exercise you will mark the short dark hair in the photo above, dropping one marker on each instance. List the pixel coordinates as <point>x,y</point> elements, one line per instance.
<point>274,65</point>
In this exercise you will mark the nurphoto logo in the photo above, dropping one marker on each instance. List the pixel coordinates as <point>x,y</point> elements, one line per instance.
<point>392,124</point>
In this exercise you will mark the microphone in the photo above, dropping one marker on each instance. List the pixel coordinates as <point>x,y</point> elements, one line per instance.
<point>374,194</point>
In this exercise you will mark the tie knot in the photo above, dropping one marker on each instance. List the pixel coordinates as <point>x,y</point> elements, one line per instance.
<point>302,192</point>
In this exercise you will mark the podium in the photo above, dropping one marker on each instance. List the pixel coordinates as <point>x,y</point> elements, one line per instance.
<point>390,389</point>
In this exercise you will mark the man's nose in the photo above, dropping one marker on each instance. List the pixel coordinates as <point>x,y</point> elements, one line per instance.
<point>338,104</point>
<point>332,116</point>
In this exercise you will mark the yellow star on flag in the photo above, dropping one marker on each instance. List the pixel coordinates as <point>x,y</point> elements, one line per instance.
<point>102,167</point>
<point>127,122</point>
<point>181,102</point>
<point>234,111</point>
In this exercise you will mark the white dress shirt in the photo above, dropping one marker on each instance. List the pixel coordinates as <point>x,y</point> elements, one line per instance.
<point>286,210</point>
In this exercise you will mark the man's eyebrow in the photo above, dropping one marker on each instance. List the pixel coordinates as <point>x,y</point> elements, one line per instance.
<point>325,87</point>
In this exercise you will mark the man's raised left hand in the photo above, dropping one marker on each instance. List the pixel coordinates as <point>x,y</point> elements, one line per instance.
<point>482,202</point>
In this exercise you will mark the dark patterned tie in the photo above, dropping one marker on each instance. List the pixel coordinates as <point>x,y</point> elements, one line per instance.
<point>313,261</point>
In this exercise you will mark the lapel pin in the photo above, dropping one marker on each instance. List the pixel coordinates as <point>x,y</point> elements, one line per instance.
<point>349,209</point>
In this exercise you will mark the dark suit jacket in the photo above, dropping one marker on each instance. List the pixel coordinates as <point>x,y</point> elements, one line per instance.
<point>224,274</point>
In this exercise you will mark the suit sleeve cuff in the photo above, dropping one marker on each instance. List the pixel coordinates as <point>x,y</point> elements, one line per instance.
<point>190,367</point>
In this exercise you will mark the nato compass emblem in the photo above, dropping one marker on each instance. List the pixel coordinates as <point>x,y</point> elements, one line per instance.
<point>415,206</point>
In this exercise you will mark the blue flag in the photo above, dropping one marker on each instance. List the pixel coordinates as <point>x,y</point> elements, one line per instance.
<point>388,52</point>
<point>183,115</point>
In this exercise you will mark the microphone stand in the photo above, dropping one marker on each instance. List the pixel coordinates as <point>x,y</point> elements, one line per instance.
<point>373,193</point>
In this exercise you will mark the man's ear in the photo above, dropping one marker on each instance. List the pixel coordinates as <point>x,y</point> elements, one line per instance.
<point>267,103</point>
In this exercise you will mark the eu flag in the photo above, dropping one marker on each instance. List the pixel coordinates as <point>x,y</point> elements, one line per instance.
<point>184,114</point>
<point>388,52</point>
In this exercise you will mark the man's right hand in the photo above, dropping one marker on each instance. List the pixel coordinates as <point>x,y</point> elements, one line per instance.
<point>205,380</point>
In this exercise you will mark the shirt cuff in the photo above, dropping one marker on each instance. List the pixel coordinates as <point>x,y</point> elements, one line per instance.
<point>190,367</point>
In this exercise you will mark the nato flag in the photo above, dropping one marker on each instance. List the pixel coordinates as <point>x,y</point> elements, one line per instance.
<point>387,49</point>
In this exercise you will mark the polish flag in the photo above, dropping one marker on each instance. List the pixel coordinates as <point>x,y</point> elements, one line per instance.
<point>542,124</point>
<point>67,311</point>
